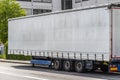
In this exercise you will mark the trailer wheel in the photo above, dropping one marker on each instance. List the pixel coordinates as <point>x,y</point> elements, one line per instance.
<point>67,65</point>
<point>79,66</point>
<point>56,64</point>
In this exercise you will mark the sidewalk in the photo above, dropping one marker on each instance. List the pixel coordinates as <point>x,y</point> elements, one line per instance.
<point>15,61</point>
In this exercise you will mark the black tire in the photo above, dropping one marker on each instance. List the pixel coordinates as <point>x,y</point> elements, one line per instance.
<point>56,64</point>
<point>67,65</point>
<point>79,66</point>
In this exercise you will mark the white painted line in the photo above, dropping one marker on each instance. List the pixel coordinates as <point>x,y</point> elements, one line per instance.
<point>101,79</point>
<point>35,78</point>
<point>30,77</point>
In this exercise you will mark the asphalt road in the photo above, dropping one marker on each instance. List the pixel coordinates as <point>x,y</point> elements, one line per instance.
<point>16,71</point>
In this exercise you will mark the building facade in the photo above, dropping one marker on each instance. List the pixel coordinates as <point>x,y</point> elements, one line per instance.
<point>36,6</point>
<point>43,6</point>
<point>87,3</point>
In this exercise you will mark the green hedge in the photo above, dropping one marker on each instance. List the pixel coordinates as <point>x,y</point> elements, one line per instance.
<point>18,57</point>
<point>3,56</point>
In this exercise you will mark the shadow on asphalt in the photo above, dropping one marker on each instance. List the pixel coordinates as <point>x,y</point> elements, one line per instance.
<point>100,75</point>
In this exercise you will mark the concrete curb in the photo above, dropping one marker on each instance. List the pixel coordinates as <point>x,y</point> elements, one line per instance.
<point>15,61</point>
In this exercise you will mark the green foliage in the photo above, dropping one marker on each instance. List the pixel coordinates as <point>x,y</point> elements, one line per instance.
<point>18,57</point>
<point>8,9</point>
<point>3,56</point>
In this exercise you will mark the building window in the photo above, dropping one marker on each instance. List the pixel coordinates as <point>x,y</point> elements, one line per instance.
<point>43,1</point>
<point>66,4</point>
<point>39,11</point>
<point>78,1</point>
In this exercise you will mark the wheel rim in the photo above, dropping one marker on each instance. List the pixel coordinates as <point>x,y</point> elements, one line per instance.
<point>56,65</point>
<point>67,65</point>
<point>78,67</point>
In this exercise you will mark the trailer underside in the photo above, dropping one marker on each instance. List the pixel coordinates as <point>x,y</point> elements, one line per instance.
<point>70,64</point>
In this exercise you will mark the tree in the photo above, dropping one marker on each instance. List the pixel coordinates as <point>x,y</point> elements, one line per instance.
<point>8,9</point>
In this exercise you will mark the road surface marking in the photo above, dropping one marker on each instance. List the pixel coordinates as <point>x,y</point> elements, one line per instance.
<point>35,78</point>
<point>102,79</point>
<point>30,77</point>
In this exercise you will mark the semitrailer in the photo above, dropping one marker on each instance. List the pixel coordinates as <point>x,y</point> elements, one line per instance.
<point>83,39</point>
